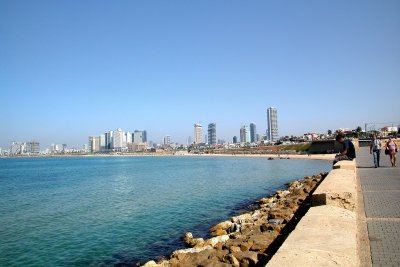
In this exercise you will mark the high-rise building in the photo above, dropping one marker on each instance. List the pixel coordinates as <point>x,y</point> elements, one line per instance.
<point>33,147</point>
<point>139,137</point>
<point>212,134</point>
<point>109,139</point>
<point>144,136</point>
<point>128,138</point>
<point>94,144</point>
<point>253,133</point>
<point>198,134</point>
<point>103,143</point>
<point>245,134</point>
<point>118,139</point>
<point>167,140</point>
<point>234,139</point>
<point>272,124</point>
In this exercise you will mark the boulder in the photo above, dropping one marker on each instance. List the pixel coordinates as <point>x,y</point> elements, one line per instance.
<point>182,252</point>
<point>150,264</point>
<point>244,218</point>
<point>221,226</point>
<point>266,227</point>
<point>234,249</point>
<point>230,259</point>
<point>193,242</point>
<point>246,258</point>
<point>218,232</point>
<point>245,246</point>
<point>215,240</point>
<point>282,193</point>
<point>264,200</point>
<point>261,245</point>
<point>217,264</point>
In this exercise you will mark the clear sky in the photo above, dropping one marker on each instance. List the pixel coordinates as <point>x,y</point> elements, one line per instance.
<point>70,69</point>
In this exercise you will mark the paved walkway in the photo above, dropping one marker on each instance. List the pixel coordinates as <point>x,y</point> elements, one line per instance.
<point>381,194</point>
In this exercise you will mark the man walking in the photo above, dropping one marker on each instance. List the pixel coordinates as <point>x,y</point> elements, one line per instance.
<point>375,150</point>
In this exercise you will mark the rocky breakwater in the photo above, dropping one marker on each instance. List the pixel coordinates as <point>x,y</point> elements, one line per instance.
<point>250,238</point>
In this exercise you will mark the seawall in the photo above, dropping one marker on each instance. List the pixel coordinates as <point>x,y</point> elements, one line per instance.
<point>327,234</point>
<point>312,223</point>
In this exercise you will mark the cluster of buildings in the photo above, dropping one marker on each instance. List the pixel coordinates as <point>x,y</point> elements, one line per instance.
<point>248,132</point>
<point>24,148</point>
<point>118,141</point>
<point>121,141</point>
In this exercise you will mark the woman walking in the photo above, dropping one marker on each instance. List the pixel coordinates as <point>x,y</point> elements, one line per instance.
<point>391,148</point>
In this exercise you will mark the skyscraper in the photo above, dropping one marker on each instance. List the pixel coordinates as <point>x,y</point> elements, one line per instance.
<point>118,140</point>
<point>198,134</point>
<point>212,134</point>
<point>167,140</point>
<point>103,143</point>
<point>94,144</point>
<point>109,139</point>
<point>245,134</point>
<point>253,133</point>
<point>272,124</point>
<point>139,136</point>
<point>144,136</point>
<point>234,139</point>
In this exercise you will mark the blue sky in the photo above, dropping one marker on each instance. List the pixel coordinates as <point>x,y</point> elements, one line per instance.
<point>70,69</point>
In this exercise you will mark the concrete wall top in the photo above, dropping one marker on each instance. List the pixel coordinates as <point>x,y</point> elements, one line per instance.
<point>325,236</point>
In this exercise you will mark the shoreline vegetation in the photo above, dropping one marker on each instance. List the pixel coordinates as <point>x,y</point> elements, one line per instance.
<point>249,239</point>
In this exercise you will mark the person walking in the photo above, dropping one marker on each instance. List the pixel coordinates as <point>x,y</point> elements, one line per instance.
<point>375,150</point>
<point>391,150</point>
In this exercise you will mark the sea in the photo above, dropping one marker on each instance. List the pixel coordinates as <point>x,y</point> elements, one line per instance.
<point>117,211</point>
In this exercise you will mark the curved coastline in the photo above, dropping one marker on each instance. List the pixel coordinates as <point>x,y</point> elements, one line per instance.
<point>251,237</point>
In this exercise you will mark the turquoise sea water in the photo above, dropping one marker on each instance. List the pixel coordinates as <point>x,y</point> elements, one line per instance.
<point>118,210</point>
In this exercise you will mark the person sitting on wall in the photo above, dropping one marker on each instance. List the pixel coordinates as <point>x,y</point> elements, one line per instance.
<point>348,152</point>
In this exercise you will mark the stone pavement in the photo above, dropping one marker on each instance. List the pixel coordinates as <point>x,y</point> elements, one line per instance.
<point>381,193</point>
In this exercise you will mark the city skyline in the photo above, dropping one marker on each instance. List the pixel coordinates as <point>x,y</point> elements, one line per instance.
<point>69,70</point>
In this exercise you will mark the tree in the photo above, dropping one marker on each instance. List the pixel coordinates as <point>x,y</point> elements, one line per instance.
<point>358,131</point>
<point>329,132</point>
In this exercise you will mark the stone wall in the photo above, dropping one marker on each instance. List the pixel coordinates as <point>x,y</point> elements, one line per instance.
<point>327,234</point>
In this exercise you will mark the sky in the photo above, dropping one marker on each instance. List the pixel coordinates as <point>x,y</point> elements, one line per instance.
<point>70,69</point>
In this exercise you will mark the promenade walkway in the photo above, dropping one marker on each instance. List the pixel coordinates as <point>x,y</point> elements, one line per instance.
<point>380,189</point>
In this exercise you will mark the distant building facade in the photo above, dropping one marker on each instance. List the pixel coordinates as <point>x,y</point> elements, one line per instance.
<point>212,134</point>
<point>25,148</point>
<point>94,144</point>
<point>245,134</point>
<point>118,139</point>
<point>234,139</point>
<point>198,134</point>
<point>253,133</point>
<point>272,124</point>
<point>139,136</point>
<point>167,140</point>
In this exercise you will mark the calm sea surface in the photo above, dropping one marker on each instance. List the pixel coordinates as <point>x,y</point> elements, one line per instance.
<point>105,211</point>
